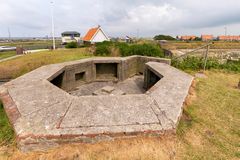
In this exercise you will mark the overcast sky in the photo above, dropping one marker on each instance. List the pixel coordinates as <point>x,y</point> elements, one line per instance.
<point>29,18</point>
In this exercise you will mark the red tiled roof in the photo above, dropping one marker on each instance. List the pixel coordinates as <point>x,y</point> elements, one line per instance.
<point>207,37</point>
<point>90,34</point>
<point>188,37</point>
<point>229,38</point>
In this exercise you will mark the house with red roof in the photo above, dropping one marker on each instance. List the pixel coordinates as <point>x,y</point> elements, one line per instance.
<point>188,38</point>
<point>207,37</point>
<point>95,35</point>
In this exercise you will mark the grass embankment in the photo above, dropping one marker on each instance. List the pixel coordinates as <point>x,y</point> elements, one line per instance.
<point>209,129</point>
<point>21,65</point>
<point>7,54</point>
<point>212,129</point>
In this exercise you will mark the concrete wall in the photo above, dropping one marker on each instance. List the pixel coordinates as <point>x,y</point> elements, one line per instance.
<point>101,69</point>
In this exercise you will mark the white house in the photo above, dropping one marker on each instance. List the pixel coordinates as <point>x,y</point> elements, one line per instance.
<point>95,35</point>
<point>70,36</point>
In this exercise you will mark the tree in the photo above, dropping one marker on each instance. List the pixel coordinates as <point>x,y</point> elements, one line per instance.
<point>164,37</point>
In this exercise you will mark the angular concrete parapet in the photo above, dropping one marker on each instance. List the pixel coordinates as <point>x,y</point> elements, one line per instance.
<point>44,114</point>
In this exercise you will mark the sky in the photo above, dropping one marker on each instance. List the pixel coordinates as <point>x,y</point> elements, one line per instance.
<point>118,18</point>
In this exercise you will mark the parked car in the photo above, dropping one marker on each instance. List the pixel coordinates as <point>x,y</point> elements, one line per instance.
<point>7,48</point>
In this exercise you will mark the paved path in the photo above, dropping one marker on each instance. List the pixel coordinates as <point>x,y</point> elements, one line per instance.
<point>9,58</point>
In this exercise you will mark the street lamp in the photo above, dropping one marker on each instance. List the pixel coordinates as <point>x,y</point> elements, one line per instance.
<point>225,28</point>
<point>53,37</point>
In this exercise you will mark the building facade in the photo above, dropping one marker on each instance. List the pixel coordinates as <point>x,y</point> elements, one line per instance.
<point>70,36</point>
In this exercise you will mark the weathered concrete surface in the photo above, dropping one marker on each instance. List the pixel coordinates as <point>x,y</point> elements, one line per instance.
<point>133,85</point>
<point>43,115</point>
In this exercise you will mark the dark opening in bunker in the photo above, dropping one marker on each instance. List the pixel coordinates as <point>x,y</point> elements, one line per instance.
<point>80,76</point>
<point>106,71</point>
<point>152,79</point>
<point>58,81</point>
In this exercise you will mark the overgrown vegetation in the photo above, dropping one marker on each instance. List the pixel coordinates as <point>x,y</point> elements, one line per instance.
<point>124,49</point>
<point>197,63</point>
<point>6,131</point>
<point>164,37</point>
<point>72,45</point>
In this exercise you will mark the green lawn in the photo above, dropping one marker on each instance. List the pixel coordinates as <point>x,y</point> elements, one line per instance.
<point>21,65</point>
<point>4,55</point>
<point>6,132</point>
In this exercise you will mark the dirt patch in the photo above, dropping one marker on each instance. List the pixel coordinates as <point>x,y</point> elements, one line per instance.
<point>136,148</point>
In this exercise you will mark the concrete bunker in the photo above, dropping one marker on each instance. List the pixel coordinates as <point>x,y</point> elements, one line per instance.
<point>50,116</point>
<point>80,76</point>
<point>107,77</point>
<point>106,71</point>
<point>151,78</point>
<point>58,80</point>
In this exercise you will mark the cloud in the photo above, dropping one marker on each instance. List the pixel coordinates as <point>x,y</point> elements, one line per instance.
<point>120,17</point>
<point>148,19</point>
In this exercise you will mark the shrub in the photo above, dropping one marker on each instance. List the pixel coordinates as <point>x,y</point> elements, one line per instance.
<point>231,65</point>
<point>71,45</point>
<point>197,63</point>
<point>105,48</point>
<point>145,50</point>
<point>164,37</point>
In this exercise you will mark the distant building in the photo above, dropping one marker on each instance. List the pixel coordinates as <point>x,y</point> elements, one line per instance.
<point>207,37</point>
<point>70,36</point>
<point>228,38</point>
<point>95,35</point>
<point>128,39</point>
<point>188,38</point>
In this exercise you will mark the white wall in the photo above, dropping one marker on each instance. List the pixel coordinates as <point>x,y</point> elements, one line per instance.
<point>99,37</point>
<point>68,39</point>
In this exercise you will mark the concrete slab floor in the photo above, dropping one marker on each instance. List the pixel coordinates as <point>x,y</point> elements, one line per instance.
<point>133,85</point>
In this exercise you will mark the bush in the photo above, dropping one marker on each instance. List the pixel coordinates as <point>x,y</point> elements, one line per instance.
<point>145,50</point>
<point>232,66</point>
<point>104,49</point>
<point>71,45</point>
<point>197,63</point>
<point>164,37</point>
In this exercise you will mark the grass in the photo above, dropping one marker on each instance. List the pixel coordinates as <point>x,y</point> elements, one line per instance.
<point>21,65</point>
<point>32,44</point>
<point>209,129</point>
<point>6,131</point>
<point>214,129</point>
<point>7,54</point>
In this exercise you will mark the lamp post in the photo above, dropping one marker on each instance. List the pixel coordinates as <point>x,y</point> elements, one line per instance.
<point>225,28</point>
<point>53,36</point>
